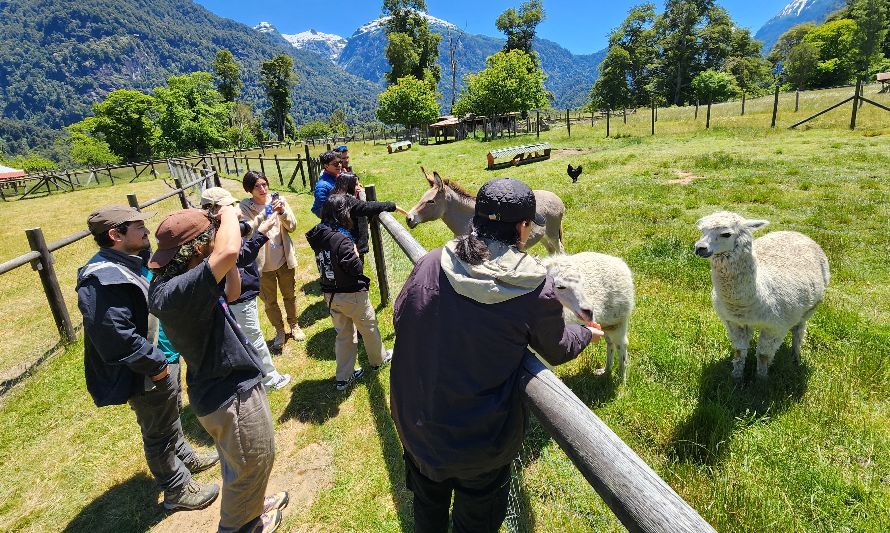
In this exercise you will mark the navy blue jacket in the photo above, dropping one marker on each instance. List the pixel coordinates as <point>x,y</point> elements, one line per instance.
<point>117,355</point>
<point>250,274</point>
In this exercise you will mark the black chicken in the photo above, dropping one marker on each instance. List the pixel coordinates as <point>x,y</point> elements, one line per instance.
<point>574,173</point>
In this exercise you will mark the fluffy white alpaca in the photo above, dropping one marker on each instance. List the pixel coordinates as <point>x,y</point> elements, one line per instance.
<point>600,288</point>
<point>772,284</point>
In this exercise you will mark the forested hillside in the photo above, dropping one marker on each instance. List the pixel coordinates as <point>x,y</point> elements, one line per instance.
<point>57,57</point>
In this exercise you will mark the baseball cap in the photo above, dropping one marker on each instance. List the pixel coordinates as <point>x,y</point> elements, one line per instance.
<point>340,149</point>
<point>217,196</point>
<point>507,200</point>
<point>105,218</point>
<point>177,229</point>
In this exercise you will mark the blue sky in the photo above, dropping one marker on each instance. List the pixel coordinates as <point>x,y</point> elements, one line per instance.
<point>581,26</point>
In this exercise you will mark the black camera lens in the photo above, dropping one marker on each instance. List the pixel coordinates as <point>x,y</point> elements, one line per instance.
<point>244,227</point>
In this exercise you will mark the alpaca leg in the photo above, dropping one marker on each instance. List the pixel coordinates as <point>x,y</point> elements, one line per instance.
<point>620,335</point>
<point>610,350</point>
<point>767,346</point>
<point>740,337</point>
<point>797,335</point>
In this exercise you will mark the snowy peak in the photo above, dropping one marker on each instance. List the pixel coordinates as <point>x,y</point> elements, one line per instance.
<point>265,27</point>
<point>380,23</point>
<point>795,8</point>
<point>326,44</point>
<point>794,13</point>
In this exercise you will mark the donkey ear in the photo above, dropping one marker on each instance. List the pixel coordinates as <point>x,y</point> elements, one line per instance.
<point>437,180</point>
<point>427,177</point>
<point>756,224</point>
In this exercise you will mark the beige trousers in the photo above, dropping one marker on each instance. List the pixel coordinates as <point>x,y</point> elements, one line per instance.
<point>352,312</point>
<point>245,438</point>
<point>269,284</point>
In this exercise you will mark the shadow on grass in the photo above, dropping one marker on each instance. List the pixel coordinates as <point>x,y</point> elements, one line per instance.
<point>128,506</point>
<point>724,406</point>
<point>392,448</point>
<point>314,401</point>
<point>311,287</point>
<point>194,431</point>
<point>312,314</point>
<point>321,345</point>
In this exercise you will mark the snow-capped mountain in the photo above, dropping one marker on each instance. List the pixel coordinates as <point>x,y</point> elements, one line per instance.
<point>796,12</point>
<point>265,27</point>
<point>380,23</point>
<point>326,44</point>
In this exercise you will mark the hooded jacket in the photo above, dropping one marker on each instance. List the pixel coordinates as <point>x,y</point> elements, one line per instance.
<point>462,332</point>
<point>339,266</point>
<point>119,354</point>
<point>360,211</point>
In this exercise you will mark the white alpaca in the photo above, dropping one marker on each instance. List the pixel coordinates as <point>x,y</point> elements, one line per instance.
<point>600,288</point>
<point>772,284</point>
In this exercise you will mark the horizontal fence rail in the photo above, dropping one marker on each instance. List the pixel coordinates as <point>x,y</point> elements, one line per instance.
<point>638,497</point>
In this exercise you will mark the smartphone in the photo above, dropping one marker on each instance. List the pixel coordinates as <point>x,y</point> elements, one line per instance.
<point>269,207</point>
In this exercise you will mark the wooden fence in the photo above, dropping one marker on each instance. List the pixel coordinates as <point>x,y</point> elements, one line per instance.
<point>640,499</point>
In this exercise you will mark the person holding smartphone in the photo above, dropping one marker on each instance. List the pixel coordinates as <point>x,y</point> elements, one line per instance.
<point>277,261</point>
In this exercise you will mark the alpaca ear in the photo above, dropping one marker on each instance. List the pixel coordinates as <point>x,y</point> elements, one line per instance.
<point>438,180</point>
<point>756,224</point>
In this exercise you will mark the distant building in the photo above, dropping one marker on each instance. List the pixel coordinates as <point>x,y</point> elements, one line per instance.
<point>11,177</point>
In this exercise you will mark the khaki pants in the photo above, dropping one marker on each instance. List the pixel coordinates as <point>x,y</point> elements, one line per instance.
<point>351,311</point>
<point>245,439</point>
<point>269,284</point>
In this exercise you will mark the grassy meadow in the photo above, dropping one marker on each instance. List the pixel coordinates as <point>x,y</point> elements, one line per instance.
<point>808,451</point>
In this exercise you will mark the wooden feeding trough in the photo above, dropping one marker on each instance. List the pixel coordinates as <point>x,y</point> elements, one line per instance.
<point>518,155</point>
<point>398,146</point>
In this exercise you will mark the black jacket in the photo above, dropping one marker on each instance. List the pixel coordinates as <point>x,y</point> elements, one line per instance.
<point>340,267</point>
<point>456,366</point>
<point>117,355</point>
<point>360,211</point>
<point>250,274</point>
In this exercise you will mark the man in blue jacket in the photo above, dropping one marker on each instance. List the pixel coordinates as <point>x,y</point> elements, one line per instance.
<point>122,363</point>
<point>332,166</point>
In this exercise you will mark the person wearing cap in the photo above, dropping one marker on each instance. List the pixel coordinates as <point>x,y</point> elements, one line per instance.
<point>332,166</point>
<point>195,274</point>
<point>343,152</point>
<point>464,320</point>
<point>277,261</point>
<point>122,363</point>
<point>244,307</point>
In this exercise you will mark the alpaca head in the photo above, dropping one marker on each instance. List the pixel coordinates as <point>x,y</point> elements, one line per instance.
<point>569,289</point>
<point>722,232</point>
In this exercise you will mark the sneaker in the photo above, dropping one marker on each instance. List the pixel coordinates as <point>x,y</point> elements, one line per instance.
<point>296,333</point>
<point>191,496</point>
<point>279,500</point>
<point>267,522</point>
<point>279,340</point>
<point>356,374</point>
<point>281,382</point>
<point>386,359</point>
<point>202,461</point>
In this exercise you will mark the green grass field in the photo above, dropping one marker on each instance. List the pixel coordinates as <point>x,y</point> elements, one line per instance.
<point>810,451</point>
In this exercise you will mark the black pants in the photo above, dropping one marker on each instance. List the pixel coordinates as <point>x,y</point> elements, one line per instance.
<point>480,503</point>
<point>166,449</point>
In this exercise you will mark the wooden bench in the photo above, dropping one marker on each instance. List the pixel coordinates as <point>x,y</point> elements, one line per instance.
<point>398,146</point>
<point>518,155</point>
<point>884,78</point>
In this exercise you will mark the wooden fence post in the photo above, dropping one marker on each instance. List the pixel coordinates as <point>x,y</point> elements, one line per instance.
<point>708,117</point>
<point>278,166</point>
<point>182,198</point>
<point>696,110</point>
<point>133,201</point>
<point>44,266</point>
<point>653,116</point>
<point>216,181</point>
<point>568,123</point>
<point>796,100</point>
<point>743,103</point>
<point>607,122</point>
<point>377,245</point>
<point>537,124</point>
<point>855,104</point>
<point>775,106</point>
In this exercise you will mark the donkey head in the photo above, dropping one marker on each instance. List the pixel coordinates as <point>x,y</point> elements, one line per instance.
<point>431,205</point>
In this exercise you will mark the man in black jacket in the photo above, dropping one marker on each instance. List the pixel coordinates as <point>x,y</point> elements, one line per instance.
<point>464,321</point>
<point>122,363</point>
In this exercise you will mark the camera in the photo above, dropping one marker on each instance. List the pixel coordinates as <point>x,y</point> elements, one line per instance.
<point>245,228</point>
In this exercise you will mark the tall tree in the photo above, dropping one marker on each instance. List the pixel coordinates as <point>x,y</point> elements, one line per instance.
<point>611,90</point>
<point>124,121</point>
<point>413,49</point>
<point>337,122</point>
<point>191,114</point>
<point>836,42</point>
<point>677,37</point>
<point>801,64</point>
<point>745,62</point>
<point>278,78</point>
<point>787,41</point>
<point>228,75</point>
<point>410,102</point>
<point>509,82</point>
<point>871,22</point>
<point>636,35</point>
<point>714,86</point>
<point>519,26</point>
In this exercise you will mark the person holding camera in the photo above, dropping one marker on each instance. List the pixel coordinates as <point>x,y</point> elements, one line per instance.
<point>345,290</point>
<point>195,274</point>
<point>245,308</point>
<point>277,261</point>
<point>122,362</point>
<point>464,321</point>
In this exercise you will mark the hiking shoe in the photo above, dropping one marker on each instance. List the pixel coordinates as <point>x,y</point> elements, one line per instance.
<point>267,522</point>
<point>386,359</point>
<point>281,382</point>
<point>278,500</point>
<point>202,461</point>
<point>279,340</point>
<point>296,333</point>
<point>356,374</point>
<point>191,496</point>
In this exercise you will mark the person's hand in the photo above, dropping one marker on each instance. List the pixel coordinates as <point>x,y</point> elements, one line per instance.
<point>359,190</point>
<point>228,209</point>
<point>595,330</point>
<point>162,375</point>
<point>266,225</point>
<point>278,205</point>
